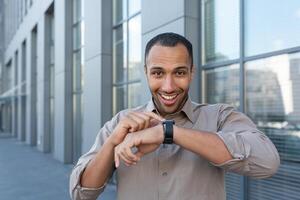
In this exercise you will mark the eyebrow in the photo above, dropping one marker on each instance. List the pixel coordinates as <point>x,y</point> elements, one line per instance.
<point>160,68</point>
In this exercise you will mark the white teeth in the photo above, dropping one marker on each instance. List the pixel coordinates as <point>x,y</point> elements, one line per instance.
<point>168,97</point>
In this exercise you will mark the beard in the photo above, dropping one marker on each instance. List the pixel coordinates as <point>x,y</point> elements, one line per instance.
<point>166,110</point>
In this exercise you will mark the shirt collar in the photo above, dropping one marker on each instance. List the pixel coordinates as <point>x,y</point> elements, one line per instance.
<point>187,109</point>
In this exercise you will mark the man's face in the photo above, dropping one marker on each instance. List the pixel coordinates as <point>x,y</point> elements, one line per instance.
<point>169,74</point>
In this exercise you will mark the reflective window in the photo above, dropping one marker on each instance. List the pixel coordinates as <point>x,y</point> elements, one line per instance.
<point>77,75</point>
<point>119,11</point>
<point>220,30</point>
<point>134,95</point>
<point>134,48</point>
<point>127,54</point>
<point>134,6</point>
<point>221,85</point>
<point>271,25</point>
<point>272,101</point>
<point>120,53</point>
<point>7,77</point>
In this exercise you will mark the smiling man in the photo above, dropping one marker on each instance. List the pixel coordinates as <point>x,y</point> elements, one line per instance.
<point>173,148</point>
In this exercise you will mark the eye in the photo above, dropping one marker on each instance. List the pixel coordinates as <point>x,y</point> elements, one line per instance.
<point>157,74</point>
<point>180,73</point>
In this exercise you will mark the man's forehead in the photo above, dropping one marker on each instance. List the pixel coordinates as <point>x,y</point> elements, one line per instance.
<point>161,54</point>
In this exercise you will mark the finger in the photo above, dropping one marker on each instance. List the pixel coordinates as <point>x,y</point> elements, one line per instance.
<point>139,155</point>
<point>127,161</point>
<point>145,118</point>
<point>130,155</point>
<point>133,125</point>
<point>154,116</point>
<point>126,157</point>
<point>139,120</point>
<point>117,159</point>
<point>154,122</point>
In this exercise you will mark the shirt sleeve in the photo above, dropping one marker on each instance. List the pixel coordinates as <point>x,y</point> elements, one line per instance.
<point>78,192</point>
<point>253,152</point>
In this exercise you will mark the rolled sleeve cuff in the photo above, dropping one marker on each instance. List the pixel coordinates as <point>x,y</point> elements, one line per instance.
<point>79,192</point>
<point>239,150</point>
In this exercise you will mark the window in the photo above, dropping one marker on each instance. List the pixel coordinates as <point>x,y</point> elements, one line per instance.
<point>271,25</point>
<point>259,75</point>
<point>278,115</point>
<point>77,74</point>
<point>220,30</point>
<point>222,85</point>
<point>126,54</point>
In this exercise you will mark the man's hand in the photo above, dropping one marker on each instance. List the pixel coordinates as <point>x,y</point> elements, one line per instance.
<point>146,141</point>
<point>132,122</point>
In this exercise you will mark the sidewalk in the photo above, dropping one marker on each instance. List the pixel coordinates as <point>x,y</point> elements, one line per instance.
<point>27,174</point>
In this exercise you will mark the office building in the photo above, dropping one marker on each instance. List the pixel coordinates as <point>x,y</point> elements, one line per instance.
<point>68,66</point>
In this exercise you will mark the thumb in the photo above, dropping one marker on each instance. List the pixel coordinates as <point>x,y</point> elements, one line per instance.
<point>139,154</point>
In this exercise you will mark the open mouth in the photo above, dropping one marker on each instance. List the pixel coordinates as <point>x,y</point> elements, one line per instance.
<point>168,100</point>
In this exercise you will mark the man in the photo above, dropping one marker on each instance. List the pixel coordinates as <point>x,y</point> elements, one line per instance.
<point>172,148</point>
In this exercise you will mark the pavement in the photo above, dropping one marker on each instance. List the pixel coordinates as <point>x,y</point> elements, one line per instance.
<point>28,174</point>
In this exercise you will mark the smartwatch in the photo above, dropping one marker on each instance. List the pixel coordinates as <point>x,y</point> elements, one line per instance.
<point>168,131</point>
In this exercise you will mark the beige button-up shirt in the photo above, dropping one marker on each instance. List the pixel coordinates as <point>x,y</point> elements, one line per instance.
<point>174,173</point>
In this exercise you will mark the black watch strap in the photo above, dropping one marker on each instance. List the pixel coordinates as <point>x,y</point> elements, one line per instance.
<point>168,131</point>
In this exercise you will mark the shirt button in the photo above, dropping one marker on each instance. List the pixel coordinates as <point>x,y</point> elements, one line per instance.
<point>165,173</point>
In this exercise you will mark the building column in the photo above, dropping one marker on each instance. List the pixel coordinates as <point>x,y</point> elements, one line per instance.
<point>31,104</point>
<point>42,100</point>
<point>63,81</point>
<point>14,99</point>
<point>20,96</point>
<point>97,88</point>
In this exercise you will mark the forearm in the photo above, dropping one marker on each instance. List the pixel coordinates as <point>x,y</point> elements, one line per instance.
<point>100,168</point>
<point>207,145</point>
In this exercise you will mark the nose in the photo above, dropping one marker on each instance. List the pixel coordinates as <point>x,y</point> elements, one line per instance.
<point>168,85</point>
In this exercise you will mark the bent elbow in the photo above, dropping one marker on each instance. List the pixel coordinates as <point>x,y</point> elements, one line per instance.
<point>269,168</point>
<point>274,165</point>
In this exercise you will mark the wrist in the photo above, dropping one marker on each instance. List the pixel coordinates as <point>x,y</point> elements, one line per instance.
<point>160,132</point>
<point>175,134</point>
<point>112,141</point>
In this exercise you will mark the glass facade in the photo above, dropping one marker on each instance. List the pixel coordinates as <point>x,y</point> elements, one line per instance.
<point>276,79</point>
<point>261,78</point>
<point>222,85</point>
<point>220,25</point>
<point>77,74</point>
<point>126,54</point>
<point>271,25</point>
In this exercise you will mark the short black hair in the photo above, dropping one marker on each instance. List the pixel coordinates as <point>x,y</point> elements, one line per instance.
<point>169,40</point>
